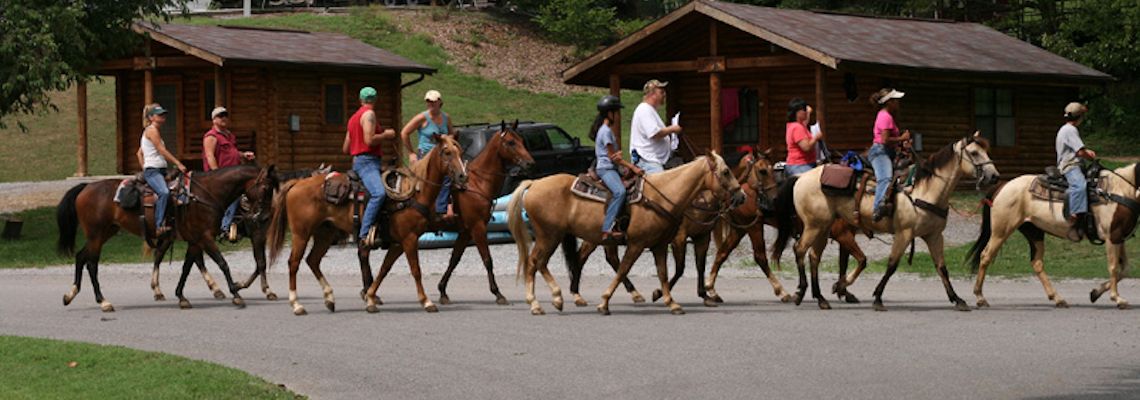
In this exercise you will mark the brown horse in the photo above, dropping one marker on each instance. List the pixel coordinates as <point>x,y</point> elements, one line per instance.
<point>92,206</point>
<point>925,218</point>
<point>558,216</point>
<point>302,206</point>
<point>474,203</point>
<point>1116,216</point>
<point>708,214</point>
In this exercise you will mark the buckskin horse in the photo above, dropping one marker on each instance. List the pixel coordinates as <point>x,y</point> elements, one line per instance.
<point>302,206</point>
<point>92,206</point>
<point>559,216</point>
<point>486,174</point>
<point>1116,215</point>
<point>934,182</point>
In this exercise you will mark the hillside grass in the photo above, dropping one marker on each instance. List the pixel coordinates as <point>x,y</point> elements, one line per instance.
<point>43,369</point>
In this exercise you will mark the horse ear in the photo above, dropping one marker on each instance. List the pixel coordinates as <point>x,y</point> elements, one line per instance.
<point>515,126</point>
<point>977,134</point>
<point>768,153</point>
<point>502,125</point>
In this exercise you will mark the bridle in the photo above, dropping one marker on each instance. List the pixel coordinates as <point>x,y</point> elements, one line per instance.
<point>979,167</point>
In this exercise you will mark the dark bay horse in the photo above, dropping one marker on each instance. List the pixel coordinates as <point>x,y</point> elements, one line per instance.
<point>92,206</point>
<point>486,174</point>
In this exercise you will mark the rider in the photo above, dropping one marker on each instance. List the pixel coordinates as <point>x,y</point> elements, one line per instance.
<point>886,139</point>
<point>649,137</point>
<point>607,154</point>
<point>153,157</point>
<point>426,124</point>
<point>800,142</point>
<point>363,143</point>
<point>219,150</point>
<point>1070,149</point>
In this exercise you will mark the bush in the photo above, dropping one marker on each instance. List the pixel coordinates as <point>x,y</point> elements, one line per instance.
<point>629,26</point>
<point>583,23</point>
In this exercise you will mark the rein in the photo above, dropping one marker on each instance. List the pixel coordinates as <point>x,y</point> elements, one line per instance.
<point>661,210</point>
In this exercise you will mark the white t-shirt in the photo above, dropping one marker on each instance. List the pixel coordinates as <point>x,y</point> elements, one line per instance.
<point>646,123</point>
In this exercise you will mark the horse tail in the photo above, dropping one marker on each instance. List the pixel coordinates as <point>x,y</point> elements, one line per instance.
<point>275,237</point>
<point>974,256</point>
<point>570,252</point>
<point>517,227</point>
<point>67,220</point>
<point>720,231</point>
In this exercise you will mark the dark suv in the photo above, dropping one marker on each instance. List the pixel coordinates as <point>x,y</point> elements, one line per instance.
<point>554,150</point>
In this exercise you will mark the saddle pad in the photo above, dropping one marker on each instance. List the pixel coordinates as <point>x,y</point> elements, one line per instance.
<point>1047,192</point>
<point>590,189</point>
<point>127,195</point>
<point>838,178</point>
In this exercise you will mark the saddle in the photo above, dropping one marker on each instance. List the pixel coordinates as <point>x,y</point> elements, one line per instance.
<point>837,180</point>
<point>901,179</point>
<point>1051,186</point>
<point>590,187</point>
<point>134,193</point>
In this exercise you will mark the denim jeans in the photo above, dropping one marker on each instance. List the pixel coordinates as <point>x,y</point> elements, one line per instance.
<point>1078,196</point>
<point>444,189</point>
<point>368,167</point>
<point>617,196</point>
<point>881,162</point>
<point>228,217</point>
<point>797,170</point>
<point>156,178</point>
<point>650,167</point>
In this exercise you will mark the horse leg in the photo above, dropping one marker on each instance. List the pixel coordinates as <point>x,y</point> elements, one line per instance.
<point>80,263</point>
<point>93,272</point>
<point>584,252</point>
<point>193,255</point>
<point>807,239</point>
<point>457,250</point>
<point>756,237</point>
<point>897,250</point>
<point>660,256</point>
<point>614,261</point>
<point>555,292</point>
<point>701,251</point>
<point>934,243</point>
<point>1103,287</point>
<point>1037,251</point>
<point>210,282</point>
<point>412,252</point>
<point>841,284</point>
<point>159,254</point>
<point>480,235</point>
<point>257,237</point>
<point>320,247</point>
<point>632,251</point>
<point>816,256</point>
<point>1115,273</point>
<point>300,242</point>
<point>212,250</point>
<point>998,236</point>
<point>853,248</point>
<point>370,297</point>
<point>362,254</point>
<point>723,250</point>
<point>679,249</point>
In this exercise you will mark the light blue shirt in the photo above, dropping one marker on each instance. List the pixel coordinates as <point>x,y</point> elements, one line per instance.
<point>604,138</point>
<point>429,130</point>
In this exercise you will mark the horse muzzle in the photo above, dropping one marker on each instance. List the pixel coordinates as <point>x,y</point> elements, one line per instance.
<point>737,198</point>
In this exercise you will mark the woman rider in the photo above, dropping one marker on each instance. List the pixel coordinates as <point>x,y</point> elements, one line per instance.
<point>800,142</point>
<point>607,155</point>
<point>153,157</point>
<point>426,124</point>
<point>886,140</point>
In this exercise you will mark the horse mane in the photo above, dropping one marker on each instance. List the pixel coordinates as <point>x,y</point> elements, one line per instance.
<point>944,156</point>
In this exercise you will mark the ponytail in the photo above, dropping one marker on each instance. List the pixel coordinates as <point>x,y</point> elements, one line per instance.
<point>875,97</point>
<point>146,113</point>
<point>598,121</point>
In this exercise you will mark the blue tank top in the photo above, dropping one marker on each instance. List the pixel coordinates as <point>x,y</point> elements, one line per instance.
<point>426,132</point>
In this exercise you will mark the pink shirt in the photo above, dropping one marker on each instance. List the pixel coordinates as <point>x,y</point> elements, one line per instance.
<point>797,156</point>
<point>885,122</point>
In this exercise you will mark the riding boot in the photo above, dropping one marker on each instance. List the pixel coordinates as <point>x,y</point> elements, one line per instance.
<point>232,233</point>
<point>1077,227</point>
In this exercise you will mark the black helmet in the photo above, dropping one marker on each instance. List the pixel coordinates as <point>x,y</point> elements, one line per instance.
<point>609,103</point>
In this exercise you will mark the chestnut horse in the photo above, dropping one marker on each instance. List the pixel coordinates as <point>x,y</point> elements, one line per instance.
<point>558,216</point>
<point>302,206</point>
<point>92,206</point>
<point>1116,216</point>
<point>486,174</point>
<point>934,182</point>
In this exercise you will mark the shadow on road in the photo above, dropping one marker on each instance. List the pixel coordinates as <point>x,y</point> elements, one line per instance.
<point>1127,386</point>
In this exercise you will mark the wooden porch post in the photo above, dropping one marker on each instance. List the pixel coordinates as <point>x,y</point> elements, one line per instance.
<point>148,87</point>
<point>714,95</point>
<point>615,90</point>
<point>81,106</point>
<point>820,105</point>
<point>219,96</point>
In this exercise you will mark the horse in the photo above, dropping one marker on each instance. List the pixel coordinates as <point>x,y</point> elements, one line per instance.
<point>92,206</point>
<point>486,174</point>
<point>1116,216</point>
<point>301,205</point>
<point>926,218</point>
<point>557,215</point>
<point>708,216</point>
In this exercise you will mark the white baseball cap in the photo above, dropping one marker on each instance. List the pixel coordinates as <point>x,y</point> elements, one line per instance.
<point>218,111</point>
<point>894,94</point>
<point>432,95</point>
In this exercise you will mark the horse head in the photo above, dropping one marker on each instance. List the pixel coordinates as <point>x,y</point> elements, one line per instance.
<point>974,159</point>
<point>450,158</point>
<point>509,145</point>
<point>720,180</point>
<point>259,191</point>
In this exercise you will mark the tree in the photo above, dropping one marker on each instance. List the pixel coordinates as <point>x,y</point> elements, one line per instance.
<point>49,45</point>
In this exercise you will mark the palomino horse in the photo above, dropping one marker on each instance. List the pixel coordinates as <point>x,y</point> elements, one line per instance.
<point>1115,214</point>
<point>708,215</point>
<point>92,206</point>
<point>926,218</point>
<point>486,174</point>
<point>558,216</point>
<point>301,204</point>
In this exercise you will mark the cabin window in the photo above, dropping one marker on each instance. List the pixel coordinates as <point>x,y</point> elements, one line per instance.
<point>745,129</point>
<point>993,115</point>
<point>334,104</point>
<point>167,95</point>
<point>208,96</point>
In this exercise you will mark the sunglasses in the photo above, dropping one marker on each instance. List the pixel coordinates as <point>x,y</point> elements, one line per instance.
<point>223,115</point>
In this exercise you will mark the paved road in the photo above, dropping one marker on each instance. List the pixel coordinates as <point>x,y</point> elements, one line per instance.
<point>751,347</point>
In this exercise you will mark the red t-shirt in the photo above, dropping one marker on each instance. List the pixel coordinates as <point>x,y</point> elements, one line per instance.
<point>797,156</point>
<point>225,151</point>
<point>356,145</point>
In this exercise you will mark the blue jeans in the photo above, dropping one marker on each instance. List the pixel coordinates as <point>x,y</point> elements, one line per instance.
<point>1078,196</point>
<point>797,170</point>
<point>617,197</point>
<point>650,167</point>
<point>444,189</point>
<point>881,162</point>
<point>156,178</point>
<point>368,168</point>
<point>228,217</point>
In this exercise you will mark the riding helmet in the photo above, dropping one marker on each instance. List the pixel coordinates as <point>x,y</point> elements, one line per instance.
<point>609,103</point>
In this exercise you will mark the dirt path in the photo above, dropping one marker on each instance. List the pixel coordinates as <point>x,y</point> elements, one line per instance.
<point>20,196</point>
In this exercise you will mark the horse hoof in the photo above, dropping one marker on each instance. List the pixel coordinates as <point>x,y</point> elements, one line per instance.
<point>580,302</point>
<point>961,306</point>
<point>824,305</point>
<point>239,302</point>
<point>159,297</point>
<point>444,300</point>
<point>502,301</point>
<point>878,306</point>
<point>557,303</point>
<point>1094,296</point>
<point>638,298</point>
<point>797,299</point>
<point>537,311</point>
<point>107,307</point>
<point>184,304</point>
<point>851,299</point>
<point>431,308</point>
<point>67,299</point>
<point>787,298</point>
<point>219,295</point>
<point>1062,304</point>
<point>710,303</point>
<point>331,306</point>
<point>677,311</point>
<point>1123,305</point>
<point>603,310</point>
<point>716,298</point>
<point>299,311</point>
<point>983,303</point>
<point>657,295</point>
<point>372,309</point>
<point>271,296</point>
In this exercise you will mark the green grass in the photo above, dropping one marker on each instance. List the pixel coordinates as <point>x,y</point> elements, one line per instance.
<point>1063,259</point>
<point>40,369</point>
<point>36,246</point>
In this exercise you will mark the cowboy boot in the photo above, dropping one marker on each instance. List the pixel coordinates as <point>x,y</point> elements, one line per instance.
<point>232,233</point>
<point>1076,228</point>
